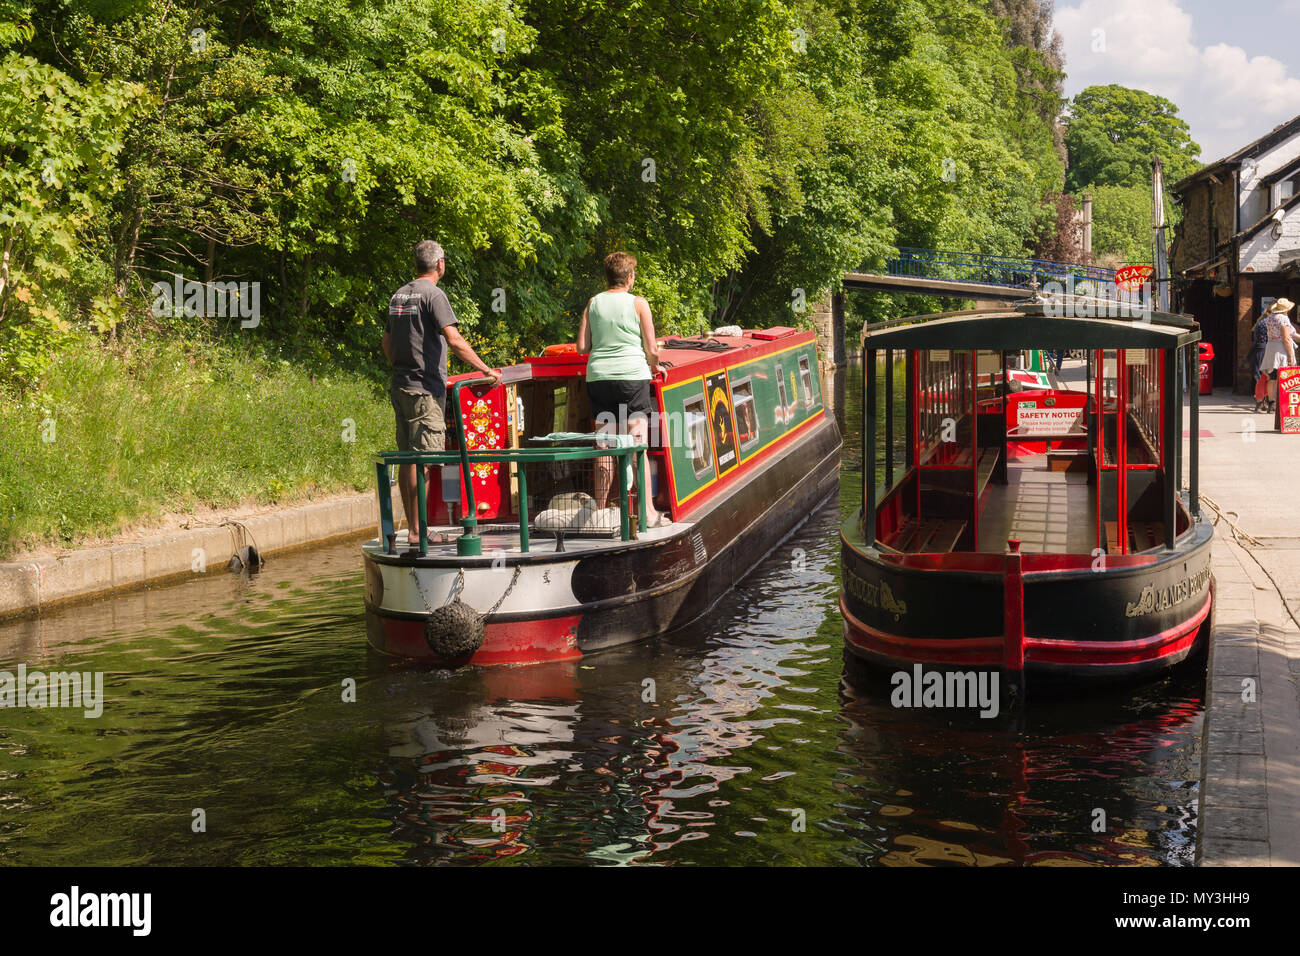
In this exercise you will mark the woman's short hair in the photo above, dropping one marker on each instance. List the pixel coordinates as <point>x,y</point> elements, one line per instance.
<point>618,266</point>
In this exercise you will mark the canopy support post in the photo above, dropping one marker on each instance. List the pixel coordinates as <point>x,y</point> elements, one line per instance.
<point>889,418</point>
<point>1194,427</point>
<point>1173,429</point>
<point>869,448</point>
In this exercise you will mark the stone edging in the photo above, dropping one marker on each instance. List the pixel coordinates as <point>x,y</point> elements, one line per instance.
<point>29,587</point>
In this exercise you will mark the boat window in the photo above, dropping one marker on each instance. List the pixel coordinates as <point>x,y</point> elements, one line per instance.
<point>742,401</point>
<point>806,380</point>
<point>783,409</point>
<point>697,433</point>
<point>1144,373</point>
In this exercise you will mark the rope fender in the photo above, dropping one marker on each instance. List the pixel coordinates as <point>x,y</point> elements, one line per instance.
<point>455,630</point>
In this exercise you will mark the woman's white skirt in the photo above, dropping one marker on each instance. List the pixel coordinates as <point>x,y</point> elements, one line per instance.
<point>1274,355</point>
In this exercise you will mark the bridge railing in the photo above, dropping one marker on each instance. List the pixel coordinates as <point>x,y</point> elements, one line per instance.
<point>1000,270</point>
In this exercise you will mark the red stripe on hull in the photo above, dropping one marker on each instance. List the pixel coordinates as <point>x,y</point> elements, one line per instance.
<point>509,642</point>
<point>1168,643</point>
<point>972,651</point>
<point>988,651</point>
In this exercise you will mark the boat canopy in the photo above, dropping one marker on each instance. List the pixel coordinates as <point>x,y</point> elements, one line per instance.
<point>962,420</point>
<point>1035,326</point>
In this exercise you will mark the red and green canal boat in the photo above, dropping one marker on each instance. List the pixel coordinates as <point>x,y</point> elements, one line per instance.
<point>511,562</point>
<point>1040,533</point>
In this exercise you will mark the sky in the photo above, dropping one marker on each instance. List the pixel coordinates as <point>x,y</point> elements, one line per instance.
<point>1232,67</point>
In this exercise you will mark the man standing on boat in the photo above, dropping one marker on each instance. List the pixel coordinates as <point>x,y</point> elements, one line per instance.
<point>421,328</point>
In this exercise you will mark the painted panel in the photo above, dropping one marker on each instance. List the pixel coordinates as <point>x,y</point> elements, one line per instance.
<point>724,431</point>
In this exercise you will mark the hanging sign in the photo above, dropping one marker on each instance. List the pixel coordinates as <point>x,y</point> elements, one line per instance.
<point>1131,278</point>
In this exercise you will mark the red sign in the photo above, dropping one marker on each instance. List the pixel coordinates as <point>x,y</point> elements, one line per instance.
<point>1130,278</point>
<point>483,410</point>
<point>1288,400</point>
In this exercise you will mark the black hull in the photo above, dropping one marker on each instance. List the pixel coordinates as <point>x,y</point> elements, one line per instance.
<point>736,535</point>
<point>1117,623</point>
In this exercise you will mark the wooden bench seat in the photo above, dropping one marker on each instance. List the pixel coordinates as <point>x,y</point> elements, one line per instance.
<point>1142,535</point>
<point>945,538</point>
<point>926,537</point>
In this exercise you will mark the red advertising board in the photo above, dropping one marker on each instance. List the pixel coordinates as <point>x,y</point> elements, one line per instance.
<point>1130,278</point>
<point>1288,400</point>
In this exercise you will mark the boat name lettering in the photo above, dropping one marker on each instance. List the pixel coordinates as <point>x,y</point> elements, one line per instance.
<point>873,594</point>
<point>1153,600</point>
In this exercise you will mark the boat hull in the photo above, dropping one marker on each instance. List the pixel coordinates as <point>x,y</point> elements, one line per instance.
<point>545,606</point>
<point>1082,618</point>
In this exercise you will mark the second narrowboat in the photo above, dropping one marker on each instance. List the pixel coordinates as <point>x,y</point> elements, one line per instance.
<point>1042,533</point>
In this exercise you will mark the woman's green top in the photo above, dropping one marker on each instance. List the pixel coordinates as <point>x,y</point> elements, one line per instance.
<point>616,349</point>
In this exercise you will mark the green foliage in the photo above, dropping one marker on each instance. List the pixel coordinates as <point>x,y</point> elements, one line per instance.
<point>58,140</point>
<point>1112,133</point>
<point>1111,136</point>
<point>1121,217</point>
<point>307,145</point>
<point>114,436</point>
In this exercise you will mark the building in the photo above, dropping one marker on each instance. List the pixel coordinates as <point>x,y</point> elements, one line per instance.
<point>1238,246</point>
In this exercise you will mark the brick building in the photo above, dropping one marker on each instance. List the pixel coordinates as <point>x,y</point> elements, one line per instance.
<point>1238,245</point>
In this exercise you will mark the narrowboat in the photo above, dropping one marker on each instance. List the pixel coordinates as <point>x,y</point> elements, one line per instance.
<point>514,561</point>
<point>1041,533</point>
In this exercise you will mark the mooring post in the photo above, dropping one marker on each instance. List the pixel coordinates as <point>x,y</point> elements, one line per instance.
<point>1013,624</point>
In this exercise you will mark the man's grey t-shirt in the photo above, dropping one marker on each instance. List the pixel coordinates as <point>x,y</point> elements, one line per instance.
<point>417,314</point>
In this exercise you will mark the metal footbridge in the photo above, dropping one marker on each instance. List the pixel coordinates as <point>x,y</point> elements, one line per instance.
<point>969,275</point>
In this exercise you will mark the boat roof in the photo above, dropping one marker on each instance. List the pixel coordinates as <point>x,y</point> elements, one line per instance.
<point>683,356</point>
<point>1036,325</point>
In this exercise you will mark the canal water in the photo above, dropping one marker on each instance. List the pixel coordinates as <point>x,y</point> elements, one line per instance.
<point>229,735</point>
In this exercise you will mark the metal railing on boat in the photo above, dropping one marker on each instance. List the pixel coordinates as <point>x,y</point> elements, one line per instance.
<point>469,543</point>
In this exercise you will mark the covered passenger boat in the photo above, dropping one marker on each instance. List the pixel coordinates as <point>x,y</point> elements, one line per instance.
<point>512,562</point>
<point>1040,533</point>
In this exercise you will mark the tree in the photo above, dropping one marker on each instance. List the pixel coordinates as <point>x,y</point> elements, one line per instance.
<point>1112,132</point>
<point>58,143</point>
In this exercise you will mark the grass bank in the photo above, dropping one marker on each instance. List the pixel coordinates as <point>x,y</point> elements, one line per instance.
<point>118,436</point>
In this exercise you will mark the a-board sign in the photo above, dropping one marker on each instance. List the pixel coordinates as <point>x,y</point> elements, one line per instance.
<point>1288,400</point>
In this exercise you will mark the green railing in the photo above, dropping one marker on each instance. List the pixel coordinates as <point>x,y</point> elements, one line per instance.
<point>470,544</point>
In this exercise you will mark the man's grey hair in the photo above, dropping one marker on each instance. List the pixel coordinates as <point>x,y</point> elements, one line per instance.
<point>427,254</point>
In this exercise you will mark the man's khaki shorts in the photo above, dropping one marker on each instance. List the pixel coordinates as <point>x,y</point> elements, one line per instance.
<point>420,424</point>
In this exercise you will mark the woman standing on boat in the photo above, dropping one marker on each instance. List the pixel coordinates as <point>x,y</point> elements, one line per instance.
<point>1280,348</point>
<point>617,332</point>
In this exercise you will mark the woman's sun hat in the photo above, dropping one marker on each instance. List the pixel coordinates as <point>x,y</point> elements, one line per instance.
<point>1282,305</point>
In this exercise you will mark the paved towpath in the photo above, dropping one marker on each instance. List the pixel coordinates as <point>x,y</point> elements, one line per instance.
<point>1250,787</point>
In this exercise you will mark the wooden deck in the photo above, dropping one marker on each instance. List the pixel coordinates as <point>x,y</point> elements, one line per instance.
<point>1049,511</point>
